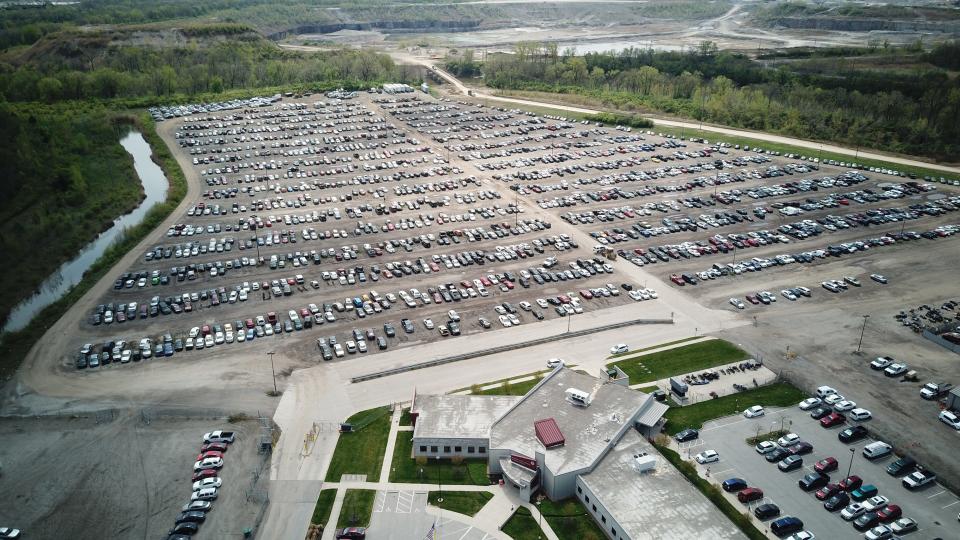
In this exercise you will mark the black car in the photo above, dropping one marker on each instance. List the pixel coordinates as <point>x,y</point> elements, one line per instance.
<point>852,434</point>
<point>820,412</point>
<point>188,528</point>
<point>196,517</point>
<point>801,448</point>
<point>766,511</point>
<point>776,455</point>
<point>902,466</point>
<point>837,502</point>
<point>389,330</point>
<point>688,434</point>
<point>813,481</point>
<point>866,521</point>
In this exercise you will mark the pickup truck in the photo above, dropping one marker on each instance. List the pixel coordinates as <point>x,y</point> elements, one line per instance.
<point>932,391</point>
<point>219,436</point>
<point>918,479</point>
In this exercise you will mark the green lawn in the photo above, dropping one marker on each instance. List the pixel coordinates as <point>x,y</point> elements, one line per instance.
<point>570,520</point>
<point>774,395</point>
<point>649,389</point>
<point>321,513</point>
<point>361,452</point>
<point>510,389</point>
<point>462,502</point>
<point>681,360</point>
<point>405,419</point>
<point>636,352</point>
<point>522,526</point>
<point>357,507</point>
<point>405,469</point>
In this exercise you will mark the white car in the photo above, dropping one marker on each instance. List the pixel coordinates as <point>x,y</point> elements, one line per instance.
<point>833,399</point>
<point>505,321</point>
<point>526,306</point>
<point>454,316</point>
<point>951,419</point>
<point>737,303</point>
<point>852,511</point>
<point>555,362</point>
<point>860,415</point>
<point>754,412</point>
<point>200,506</point>
<point>788,295</point>
<point>619,348</point>
<point>542,303</point>
<point>809,403</point>
<point>765,447</point>
<point>428,323</point>
<point>875,503</point>
<point>338,350</point>
<point>9,532</point>
<point>651,292</point>
<point>707,456</point>
<point>904,525</point>
<point>205,494</point>
<point>880,532</point>
<point>219,436</point>
<point>787,440</point>
<point>802,535</point>
<point>212,482</point>
<point>845,405</point>
<point>208,463</point>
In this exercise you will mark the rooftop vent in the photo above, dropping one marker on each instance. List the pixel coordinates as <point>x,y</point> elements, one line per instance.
<point>578,397</point>
<point>644,462</point>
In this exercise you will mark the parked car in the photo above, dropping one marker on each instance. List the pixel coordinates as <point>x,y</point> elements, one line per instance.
<point>864,492</point>
<point>852,434</point>
<point>832,419</point>
<point>786,525</point>
<point>813,481</point>
<point>351,533</point>
<point>826,465</point>
<point>836,502</point>
<point>688,434</point>
<point>753,412</point>
<point>734,484</point>
<point>707,456</point>
<point>901,466</point>
<point>790,463</point>
<point>766,511</point>
<point>851,483</point>
<point>219,436</point>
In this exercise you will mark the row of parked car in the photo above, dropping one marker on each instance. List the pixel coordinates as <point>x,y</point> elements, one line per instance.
<point>205,484</point>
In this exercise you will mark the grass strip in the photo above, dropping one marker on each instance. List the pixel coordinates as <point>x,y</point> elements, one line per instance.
<point>570,520</point>
<point>680,360</point>
<point>321,512</point>
<point>461,502</point>
<point>362,451</point>
<point>522,526</point>
<point>637,352</point>
<point>357,507</point>
<point>774,395</point>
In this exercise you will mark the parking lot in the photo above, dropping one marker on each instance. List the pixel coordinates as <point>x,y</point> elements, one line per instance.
<point>934,508</point>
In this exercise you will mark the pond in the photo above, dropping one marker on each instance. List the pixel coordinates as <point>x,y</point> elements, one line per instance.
<point>155,185</point>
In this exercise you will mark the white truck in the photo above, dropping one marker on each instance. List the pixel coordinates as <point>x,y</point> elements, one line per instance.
<point>932,391</point>
<point>918,479</point>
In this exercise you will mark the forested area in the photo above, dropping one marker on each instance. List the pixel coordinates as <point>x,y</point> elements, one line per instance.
<point>63,178</point>
<point>106,64</point>
<point>908,111</point>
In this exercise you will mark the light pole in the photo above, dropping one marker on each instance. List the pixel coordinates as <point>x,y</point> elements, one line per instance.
<point>862,329</point>
<point>274,371</point>
<point>540,530</point>
<point>853,452</point>
<point>439,485</point>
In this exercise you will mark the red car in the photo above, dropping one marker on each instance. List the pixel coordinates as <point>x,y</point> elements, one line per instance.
<point>676,279</point>
<point>351,533</point>
<point>828,491</point>
<point>752,299</point>
<point>890,513</point>
<point>204,455</point>
<point>826,465</point>
<point>851,483</point>
<point>205,473</point>
<point>249,323</point>
<point>750,494</point>
<point>832,419</point>
<point>587,295</point>
<point>214,447</point>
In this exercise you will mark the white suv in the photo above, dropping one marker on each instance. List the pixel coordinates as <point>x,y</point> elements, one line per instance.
<point>950,418</point>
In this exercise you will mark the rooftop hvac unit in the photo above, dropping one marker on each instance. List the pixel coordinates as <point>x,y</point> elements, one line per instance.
<point>578,397</point>
<point>644,462</point>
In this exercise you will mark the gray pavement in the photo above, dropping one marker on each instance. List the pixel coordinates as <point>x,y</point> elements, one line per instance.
<point>403,515</point>
<point>934,508</point>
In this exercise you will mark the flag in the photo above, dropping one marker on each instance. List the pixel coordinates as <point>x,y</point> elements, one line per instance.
<point>432,533</point>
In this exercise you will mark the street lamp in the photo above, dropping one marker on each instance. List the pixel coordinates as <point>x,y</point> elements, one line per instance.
<point>439,485</point>
<point>540,530</point>
<point>853,452</point>
<point>862,329</point>
<point>274,371</point>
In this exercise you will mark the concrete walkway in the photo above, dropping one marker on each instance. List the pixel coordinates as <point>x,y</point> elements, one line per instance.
<point>391,443</point>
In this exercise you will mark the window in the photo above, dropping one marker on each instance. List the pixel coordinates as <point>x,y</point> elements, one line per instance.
<point>458,449</point>
<point>594,507</point>
<point>579,489</point>
<point>613,531</point>
<point>469,449</point>
<point>423,448</point>
<point>433,449</point>
<point>588,499</point>
<point>446,449</point>
<point>483,449</point>
<point>603,518</point>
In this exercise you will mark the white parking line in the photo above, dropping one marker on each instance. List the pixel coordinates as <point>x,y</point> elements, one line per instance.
<point>718,473</point>
<point>938,493</point>
<point>951,504</point>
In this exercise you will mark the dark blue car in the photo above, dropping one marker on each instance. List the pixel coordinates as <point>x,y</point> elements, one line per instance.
<point>734,484</point>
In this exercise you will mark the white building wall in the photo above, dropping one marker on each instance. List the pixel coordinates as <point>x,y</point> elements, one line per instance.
<point>595,508</point>
<point>447,447</point>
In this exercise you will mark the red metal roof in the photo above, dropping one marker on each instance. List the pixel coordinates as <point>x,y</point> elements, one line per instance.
<point>549,433</point>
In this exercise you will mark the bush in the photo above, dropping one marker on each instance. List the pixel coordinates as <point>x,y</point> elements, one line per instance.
<point>631,120</point>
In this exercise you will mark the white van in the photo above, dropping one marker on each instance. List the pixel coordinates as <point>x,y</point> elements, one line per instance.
<point>877,450</point>
<point>825,391</point>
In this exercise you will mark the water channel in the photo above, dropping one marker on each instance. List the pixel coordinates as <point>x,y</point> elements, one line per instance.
<point>155,185</point>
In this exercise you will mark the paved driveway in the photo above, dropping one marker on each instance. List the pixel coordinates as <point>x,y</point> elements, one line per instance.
<point>934,507</point>
<point>402,515</point>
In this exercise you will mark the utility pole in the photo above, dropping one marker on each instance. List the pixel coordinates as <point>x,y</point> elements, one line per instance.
<point>274,371</point>
<point>853,452</point>
<point>864,327</point>
<point>439,485</point>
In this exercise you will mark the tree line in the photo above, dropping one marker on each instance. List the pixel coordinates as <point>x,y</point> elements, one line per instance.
<point>914,114</point>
